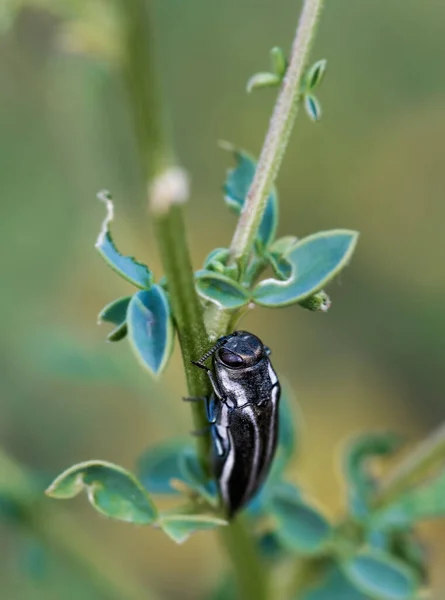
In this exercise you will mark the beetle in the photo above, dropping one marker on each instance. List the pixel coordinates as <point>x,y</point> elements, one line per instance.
<point>243,415</point>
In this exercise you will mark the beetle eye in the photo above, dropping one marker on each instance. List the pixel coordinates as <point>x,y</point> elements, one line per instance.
<point>230,358</point>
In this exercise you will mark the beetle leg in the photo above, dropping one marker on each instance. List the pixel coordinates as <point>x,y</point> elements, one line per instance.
<point>194,398</point>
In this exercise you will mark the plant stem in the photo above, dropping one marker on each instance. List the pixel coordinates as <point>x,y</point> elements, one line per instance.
<point>278,134</point>
<point>250,574</point>
<point>168,189</point>
<point>63,536</point>
<point>428,454</point>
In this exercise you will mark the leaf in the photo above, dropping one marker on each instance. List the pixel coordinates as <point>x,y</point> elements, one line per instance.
<point>150,328</point>
<point>237,185</point>
<point>287,439</point>
<point>281,267</point>
<point>159,465</point>
<point>221,290</point>
<point>335,586</point>
<point>181,525</point>
<point>262,80</point>
<point>381,576</point>
<point>279,61</point>
<point>219,255</point>
<point>270,547</point>
<point>283,246</point>
<point>312,107</point>
<point>315,74</point>
<point>301,527</point>
<point>316,260</point>
<point>193,474</point>
<point>424,502</point>
<point>116,312</point>
<point>356,461</point>
<point>126,266</point>
<point>112,491</point>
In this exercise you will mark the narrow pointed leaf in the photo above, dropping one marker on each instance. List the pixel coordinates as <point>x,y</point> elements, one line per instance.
<point>301,527</point>
<point>262,80</point>
<point>279,61</point>
<point>159,465</point>
<point>236,187</point>
<point>424,502</point>
<point>313,108</point>
<point>381,576</point>
<point>126,266</point>
<point>221,290</point>
<point>112,491</point>
<point>179,527</point>
<point>315,261</point>
<point>315,74</point>
<point>116,312</point>
<point>150,328</point>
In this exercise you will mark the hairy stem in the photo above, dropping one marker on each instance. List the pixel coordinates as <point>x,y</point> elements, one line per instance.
<point>63,536</point>
<point>429,454</point>
<point>278,134</point>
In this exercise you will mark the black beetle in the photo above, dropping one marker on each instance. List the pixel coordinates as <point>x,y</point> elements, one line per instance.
<point>243,413</point>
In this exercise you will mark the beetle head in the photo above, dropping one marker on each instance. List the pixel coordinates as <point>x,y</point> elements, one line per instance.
<point>241,349</point>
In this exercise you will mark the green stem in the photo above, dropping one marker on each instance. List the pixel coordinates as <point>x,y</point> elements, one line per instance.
<point>429,454</point>
<point>63,536</point>
<point>278,134</point>
<point>250,573</point>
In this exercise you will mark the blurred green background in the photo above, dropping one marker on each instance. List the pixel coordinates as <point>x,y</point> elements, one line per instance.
<point>374,163</point>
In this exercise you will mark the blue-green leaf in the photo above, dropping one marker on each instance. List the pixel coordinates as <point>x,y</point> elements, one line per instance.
<point>287,435</point>
<point>193,474</point>
<point>335,586</point>
<point>219,255</point>
<point>381,576</point>
<point>112,491</point>
<point>423,502</point>
<point>280,266</point>
<point>150,328</point>
<point>236,187</point>
<point>301,527</point>
<point>182,524</point>
<point>221,290</point>
<point>116,312</point>
<point>159,465</point>
<point>316,260</point>
<point>313,108</point>
<point>126,266</point>
<point>360,450</point>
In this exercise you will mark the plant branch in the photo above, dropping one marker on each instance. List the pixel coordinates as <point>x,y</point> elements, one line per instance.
<point>278,134</point>
<point>428,454</point>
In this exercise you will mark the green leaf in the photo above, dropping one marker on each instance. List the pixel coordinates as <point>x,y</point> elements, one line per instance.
<point>262,80</point>
<point>312,107</point>
<point>316,260</point>
<point>424,502</point>
<point>360,450</point>
<point>280,266</point>
<point>315,74</point>
<point>116,312</point>
<point>334,586</point>
<point>301,527</point>
<point>279,61</point>
<point>126,266</point>
<point>150,328</point>
<point>221,290</point>
<point>283,246</point>
<point>237,185</point>
<point>193,474</point>
<point>112,491</point>
<point>381,576</point>
<point>179,526</point>
<point>159,465</point>
<point>219,255</point>
<point>287,439</point>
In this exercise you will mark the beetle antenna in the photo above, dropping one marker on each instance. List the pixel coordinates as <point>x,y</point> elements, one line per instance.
<point>213,349</point>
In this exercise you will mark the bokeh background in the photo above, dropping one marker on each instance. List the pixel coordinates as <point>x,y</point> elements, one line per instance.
<point>375,163</point>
